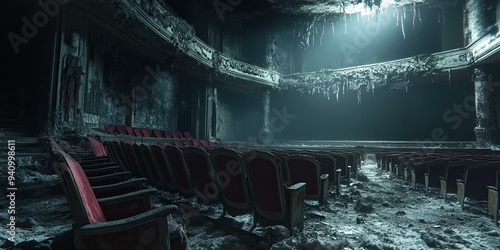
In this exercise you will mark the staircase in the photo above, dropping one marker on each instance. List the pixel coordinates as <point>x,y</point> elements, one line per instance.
<point>27,142</point>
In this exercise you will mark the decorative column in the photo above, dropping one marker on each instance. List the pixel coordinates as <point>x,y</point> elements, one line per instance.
<point>478,18</point>
<point>486,130</point>
<point>266,135</point>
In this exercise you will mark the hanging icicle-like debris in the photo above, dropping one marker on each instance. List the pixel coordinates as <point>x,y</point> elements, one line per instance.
<point>419,18</point>
<point>396,75</point>
<point>397,17</point>
<point>322,33</point>
<point>414,14</point>
<point>345,23</point>
<point>403,28</point>
<point>449,77</point>
<point>333,30</point>
<point>359,96</point>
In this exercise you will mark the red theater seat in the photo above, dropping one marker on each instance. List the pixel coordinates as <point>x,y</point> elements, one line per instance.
<point>118,222</point>
<point>202,175</point>
<point>230,176</point>
<point>306,169</point>
<point>274,203</point>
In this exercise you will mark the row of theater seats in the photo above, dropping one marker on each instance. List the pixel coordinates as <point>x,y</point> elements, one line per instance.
<point>145,132</point>
<point>269,183</point>
<point>111,208</point>
<point>178,139</point>
<point>472,174</point>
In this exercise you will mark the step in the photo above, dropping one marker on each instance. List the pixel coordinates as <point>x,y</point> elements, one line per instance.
<point>5,126</point>
<point>4,157</point>
<point>17,134</point>
<point>17,139</point>
<point>34,149</point>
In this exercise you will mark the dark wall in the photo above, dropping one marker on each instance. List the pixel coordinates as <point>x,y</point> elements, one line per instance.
<point>25,73</point>
<point>239,114</point>
<point>424,112</point>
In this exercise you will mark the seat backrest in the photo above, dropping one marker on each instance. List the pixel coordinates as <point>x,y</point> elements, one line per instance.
<point>134,162</point>
<point>341,161</point>
<point>110,129</point>
<point>303,168</point>
<point>121,130</point>
<point>146,132</point>
<point>197,143</point>
<point>164,167</point>
<point>168,134</point>
<point>201,172</point>
<point>97,147</point>
<point>86,194</point>
<point>138,132</point>
<point>230,176</point>
<point>328,165</point>
<point>123,155</point>
<point>205,142</point>
<point>158,133</point>
<point>266,187</point>
<point>179,143</point>
<point>150,163</point>
<point>188,135</point>
<point>110,149</point>
<point>130,130</point>
<point>87,209</point>
<point>176,162</point>
<point>145,168</point>
<point>175,135</point>
<point>188,143</point>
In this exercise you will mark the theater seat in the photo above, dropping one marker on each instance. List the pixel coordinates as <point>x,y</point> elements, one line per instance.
<point>230,176</point>
<point>273,202</point>
<point>119,222</point>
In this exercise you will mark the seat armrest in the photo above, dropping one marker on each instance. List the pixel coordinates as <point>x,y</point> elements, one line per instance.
<point>324,188</point>
<point>109,178</point>
<point>102,171</point>
<point>94,160</point>
<point>148,230</point>
<point>98,165</point>
<point>324,177</point>
<point>296,194</point>
<point>119,188</point>
<point>492,188</point>
<point>338,174</point>
<point>126,205</point>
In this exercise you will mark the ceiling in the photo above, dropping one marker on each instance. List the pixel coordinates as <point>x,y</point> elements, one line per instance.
<point>298,7</point>
<point>257,9</point>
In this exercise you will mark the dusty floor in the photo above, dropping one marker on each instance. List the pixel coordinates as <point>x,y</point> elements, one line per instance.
<point>379,212</point>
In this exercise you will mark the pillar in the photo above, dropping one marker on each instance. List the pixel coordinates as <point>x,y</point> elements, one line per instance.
<point>479,17</point>
<point>486,130</point>
<point>266,135</point>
